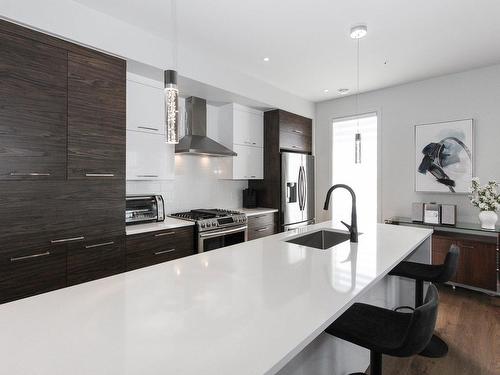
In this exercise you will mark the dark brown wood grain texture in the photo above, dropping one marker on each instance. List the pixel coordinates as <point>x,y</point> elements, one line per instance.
<point>24,273</point>
<point>33,110</point>
<point>146,249</point>
<point>96,118</point>
<point>92,260</point>
<point>477,261</point>
<point>262,225</point>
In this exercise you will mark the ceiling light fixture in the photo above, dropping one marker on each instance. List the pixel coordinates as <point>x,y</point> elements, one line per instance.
<point>357,32</point>
<point>326,91</point>
<point>171,90</point>
<point>266,59</point>
<point>343,91</point>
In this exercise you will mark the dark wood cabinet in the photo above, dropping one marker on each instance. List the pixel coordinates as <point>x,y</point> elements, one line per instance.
<point>30,271</point>
<point>477,261</point>
<point>96,117</point>
<point>150,248</point>
<point>295,132</point>
<point>92,260</point>
<point>33,98</point>
<point>283,131</point>
<point>62,162</point>
<point>261,225</point>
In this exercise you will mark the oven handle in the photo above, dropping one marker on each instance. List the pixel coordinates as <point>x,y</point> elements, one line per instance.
<point>221,233</point>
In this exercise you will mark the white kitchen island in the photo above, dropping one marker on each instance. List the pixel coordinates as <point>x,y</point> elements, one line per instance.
<point>255,308</point>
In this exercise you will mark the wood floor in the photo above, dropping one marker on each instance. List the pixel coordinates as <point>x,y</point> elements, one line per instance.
<point>470,323</point>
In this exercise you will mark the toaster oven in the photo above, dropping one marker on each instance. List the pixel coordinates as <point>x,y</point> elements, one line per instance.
<point>144,208</point>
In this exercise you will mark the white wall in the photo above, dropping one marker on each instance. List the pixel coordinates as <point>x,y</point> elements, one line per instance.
<point>472,94</point>
<point>72,21</point>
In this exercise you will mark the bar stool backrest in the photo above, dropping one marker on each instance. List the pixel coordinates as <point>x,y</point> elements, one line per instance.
<point>422,325</point>
<point>450,264</point>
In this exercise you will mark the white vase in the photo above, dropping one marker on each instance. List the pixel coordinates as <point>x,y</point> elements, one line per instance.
<point>488,219</point>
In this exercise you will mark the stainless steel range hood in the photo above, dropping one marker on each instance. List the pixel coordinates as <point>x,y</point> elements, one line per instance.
<point>196,142</point>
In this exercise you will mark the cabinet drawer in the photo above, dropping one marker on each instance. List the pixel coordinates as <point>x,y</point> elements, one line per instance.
<point>261,220</point>
<point>156,247</point>
<point>147,258</point>
<point>295,142</point>
<point>95,259</point>
<point>262,231</point>
<point>24,273</point>
<point>296,124</point>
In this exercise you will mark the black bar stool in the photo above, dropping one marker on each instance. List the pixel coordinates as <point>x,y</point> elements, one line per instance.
<point>385,331</point>
<point>440,273</point>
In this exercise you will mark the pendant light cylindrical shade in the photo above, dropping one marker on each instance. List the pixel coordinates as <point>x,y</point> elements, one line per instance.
<point>357,148</point>
<point>171,107</point>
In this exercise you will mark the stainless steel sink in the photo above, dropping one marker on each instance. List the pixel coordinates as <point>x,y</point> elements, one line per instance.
<point>323,239</point>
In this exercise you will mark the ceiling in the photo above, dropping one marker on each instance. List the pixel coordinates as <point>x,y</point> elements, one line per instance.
<point>308,42</point>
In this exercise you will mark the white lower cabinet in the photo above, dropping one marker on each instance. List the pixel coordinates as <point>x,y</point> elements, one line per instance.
<point>149,157</point>
<point>248,165</point>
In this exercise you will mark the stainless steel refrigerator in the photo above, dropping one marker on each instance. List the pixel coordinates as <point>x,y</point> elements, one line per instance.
<point>297,190</point>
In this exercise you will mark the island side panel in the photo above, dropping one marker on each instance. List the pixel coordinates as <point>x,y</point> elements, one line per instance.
<point>328,355</point>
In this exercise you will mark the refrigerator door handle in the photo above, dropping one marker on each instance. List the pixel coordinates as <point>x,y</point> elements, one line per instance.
<point>304,182</point>
<point>299,187</point>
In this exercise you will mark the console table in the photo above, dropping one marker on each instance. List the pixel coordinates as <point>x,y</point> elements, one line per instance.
<point>479,252</point>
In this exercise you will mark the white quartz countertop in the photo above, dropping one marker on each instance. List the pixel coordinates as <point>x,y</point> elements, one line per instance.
<point>168,223</point>
<point>256,211</point>
<point>243,309</point>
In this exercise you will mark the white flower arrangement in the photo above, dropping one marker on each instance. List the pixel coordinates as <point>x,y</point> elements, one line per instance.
<point>486,197</point>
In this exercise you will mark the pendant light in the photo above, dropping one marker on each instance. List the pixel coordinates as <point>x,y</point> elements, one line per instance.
<point>171,90</point>
<point>357,32</point>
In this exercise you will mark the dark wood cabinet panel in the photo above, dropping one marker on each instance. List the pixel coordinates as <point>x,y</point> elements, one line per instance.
<point>95,259</point>
<point>261,226</point>
<point>96,117</point>
<point>292,123</point>
<point>155,247</point>
<point>31,271</point>
<point>477,261</point>
<point>295,142</point>
<point>33,110</point>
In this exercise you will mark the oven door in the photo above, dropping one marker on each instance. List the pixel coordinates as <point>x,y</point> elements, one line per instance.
<point>221,237</point>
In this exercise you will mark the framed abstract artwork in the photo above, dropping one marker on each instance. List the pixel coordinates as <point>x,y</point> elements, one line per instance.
<point>444,154</point>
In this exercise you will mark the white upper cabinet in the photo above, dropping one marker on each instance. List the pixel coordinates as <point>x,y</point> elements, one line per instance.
<point>149,157</point>
<point>241,125</point>
<point>145,105</point>
<point>242,130</point>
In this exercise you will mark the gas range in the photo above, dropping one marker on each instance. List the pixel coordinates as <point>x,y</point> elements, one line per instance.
<point>212,219</point>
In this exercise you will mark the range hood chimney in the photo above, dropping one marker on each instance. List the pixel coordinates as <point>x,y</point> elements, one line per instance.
<point>196,142</point>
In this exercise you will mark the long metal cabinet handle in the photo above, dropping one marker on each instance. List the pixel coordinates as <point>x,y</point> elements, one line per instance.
<point>148,128</point>
<point>33,174</point>
<point>99,175</point>
<point>147,175</point>
<point>164,234</point>
<point>217,233</point>
<point>100,244</point>
<point>15,259</point>
<point>164,251</point>
<point>63,240</point>
<point>262,229</point>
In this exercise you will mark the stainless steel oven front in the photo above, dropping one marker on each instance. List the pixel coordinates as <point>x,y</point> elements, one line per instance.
<point>217,238</point>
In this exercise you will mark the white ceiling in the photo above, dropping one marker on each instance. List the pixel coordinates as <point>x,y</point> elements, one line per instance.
<point>308,42</point>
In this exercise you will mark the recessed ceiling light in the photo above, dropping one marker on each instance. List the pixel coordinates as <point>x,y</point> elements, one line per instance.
<point>326,91</point>
<point>343,91</point>
<point>359,31</point>
<point>266,59</point>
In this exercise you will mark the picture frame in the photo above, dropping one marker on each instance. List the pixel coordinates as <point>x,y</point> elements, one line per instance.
<point>444,156</point>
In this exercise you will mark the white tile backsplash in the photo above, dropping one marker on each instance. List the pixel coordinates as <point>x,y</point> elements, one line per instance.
<point>195,186</point>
